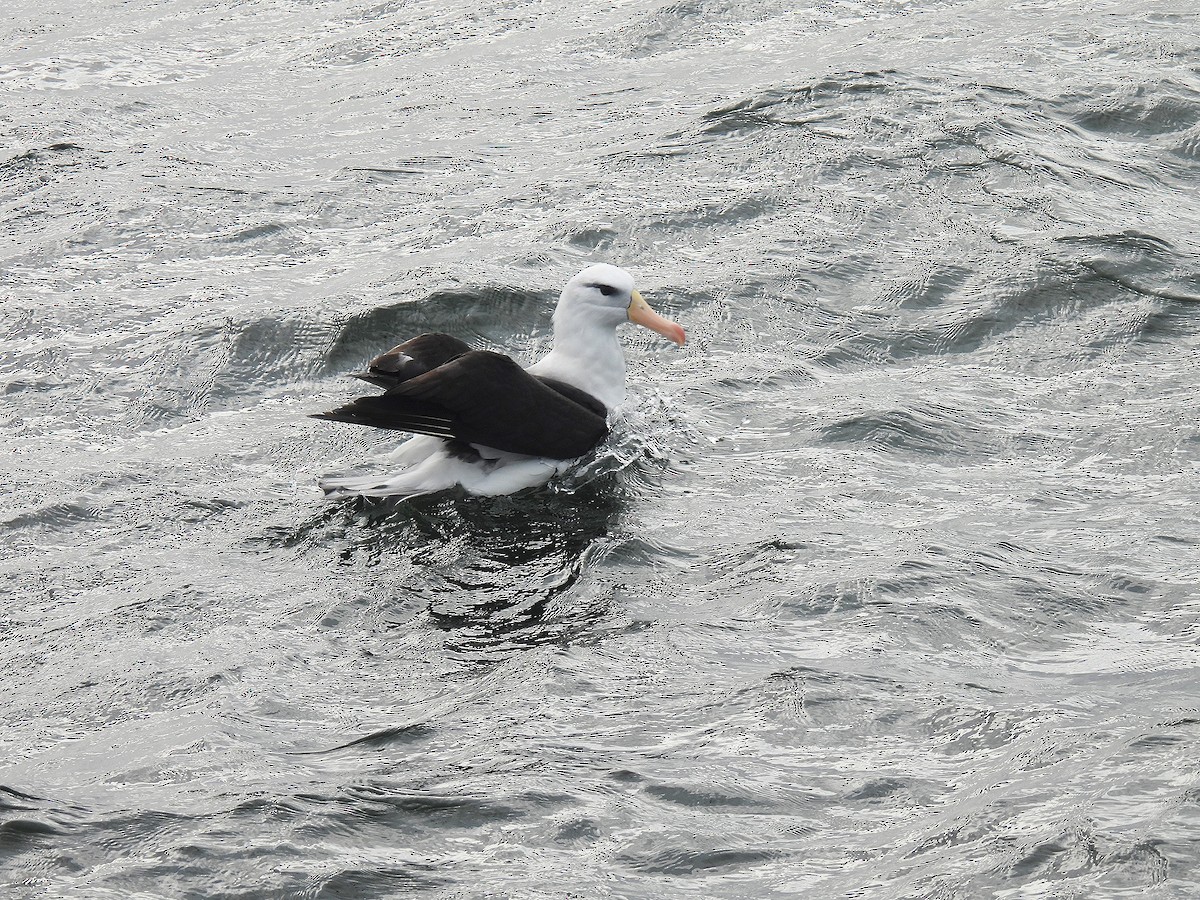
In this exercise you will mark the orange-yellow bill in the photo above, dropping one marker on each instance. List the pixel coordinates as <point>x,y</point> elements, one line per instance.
<point>640,313</point>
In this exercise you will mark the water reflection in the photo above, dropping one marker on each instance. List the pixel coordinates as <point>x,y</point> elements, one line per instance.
<point>489,573</point>
<point>507,561</point>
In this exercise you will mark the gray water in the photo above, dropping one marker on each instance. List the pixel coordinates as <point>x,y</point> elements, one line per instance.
<point>885,585</point>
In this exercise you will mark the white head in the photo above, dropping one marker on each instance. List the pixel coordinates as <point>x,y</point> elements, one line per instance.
<point>604,296</point>
<point>586,351</point>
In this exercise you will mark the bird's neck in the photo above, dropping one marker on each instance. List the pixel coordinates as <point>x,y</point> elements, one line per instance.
<point>590,359</point>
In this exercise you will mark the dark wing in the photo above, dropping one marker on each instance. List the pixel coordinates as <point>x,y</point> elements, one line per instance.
<point>583,398</point>
<point>394,412</point>
<point>485,398</point>
<point>414,357</point>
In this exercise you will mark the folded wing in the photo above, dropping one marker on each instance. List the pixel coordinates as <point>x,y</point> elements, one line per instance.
<point>414,357</point>
<point>479,397</point>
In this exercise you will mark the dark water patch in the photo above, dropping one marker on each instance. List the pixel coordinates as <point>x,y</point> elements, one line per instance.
<point>681,25</point>
<point>140,693</point>
<point>154,240</point>
<point>1082,852</point>
<point>509,531</point>
<point>822,697</point>
<point>487,572</point>
<point>838,597</point>
<point>965,834</point>
<point>260,810</point>
<point>1133,243</point>
<point>1134,587</point>
<point>179,379</point>
<point>625,776</point>
<point>776,367</point>
<point>30,823</point>
<point>1187,145</point>
<point>878,338</point>
<point>1165,325</point>
<point>1139,262</point>
<point>172,370</point>
<point>797,107</point>
<point>32,383</point>
<point>486,632</point>
<point>769,564</point>
<point>1064,294</point>
<point>960,308</point>
<point>390,31</point>
<point>1140,284</point>
<point>374,882</point>
<point>16,833</point>
<point>255,232</point>
<point>33,330</point>
<point>13,799</point>
<point>666,29</point>
<point>594,238</point>
<point>406,169</point>
<point>35,169</point>
<point>665,857</point>
<point>1175,540</point>
<point>1031,590</point>
<point>938,619</point>
<point>997,599</point>
<point>963,730</point>
<point>362,532</point>
<point>893,792</point>
<point>57,516</point>
<point>127,831</point>
<point>725,216</point>
<point>964,311</point>
<point>929,429</point>
<point>1157,742</point>
<point>311,532</point>
<point>578,833</point>
<point>408,810</point>
<point>1135,110</point>
<point>270,351</point>
<point>930,289</point>
<point>116,507</point>
<point>706,796</point>
<point>386,738</point>
<point>1179,734</point>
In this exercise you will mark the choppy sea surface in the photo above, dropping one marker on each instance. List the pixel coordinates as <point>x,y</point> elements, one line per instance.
<point>885,586</point>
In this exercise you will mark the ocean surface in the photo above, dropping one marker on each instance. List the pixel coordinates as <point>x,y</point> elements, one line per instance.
<point>887,585</point>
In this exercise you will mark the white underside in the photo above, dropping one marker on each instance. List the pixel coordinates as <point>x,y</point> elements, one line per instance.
<point>425,466</point>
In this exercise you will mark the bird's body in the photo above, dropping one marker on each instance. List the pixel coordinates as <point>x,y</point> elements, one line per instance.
<point>483,422</point>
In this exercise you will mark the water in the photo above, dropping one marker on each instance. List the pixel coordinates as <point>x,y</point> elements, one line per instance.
<point>885,587</point>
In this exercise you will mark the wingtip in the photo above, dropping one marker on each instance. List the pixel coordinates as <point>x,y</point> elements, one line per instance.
<point>380,380</point>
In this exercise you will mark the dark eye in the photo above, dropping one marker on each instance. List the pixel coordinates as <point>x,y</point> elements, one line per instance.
<point>607,289</point>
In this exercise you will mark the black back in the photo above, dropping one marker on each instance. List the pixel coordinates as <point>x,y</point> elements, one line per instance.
<point>476,396</point>
<point>414,357</point>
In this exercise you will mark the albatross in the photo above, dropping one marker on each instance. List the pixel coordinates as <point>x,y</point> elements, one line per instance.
<point>480,420</point>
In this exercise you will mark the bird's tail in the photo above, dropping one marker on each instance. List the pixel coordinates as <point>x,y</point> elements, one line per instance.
<point>434,473</point>
<point>369,486</point>
<point>441,471</point>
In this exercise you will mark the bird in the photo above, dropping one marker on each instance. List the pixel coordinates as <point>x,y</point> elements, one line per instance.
<point>482,422</point>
